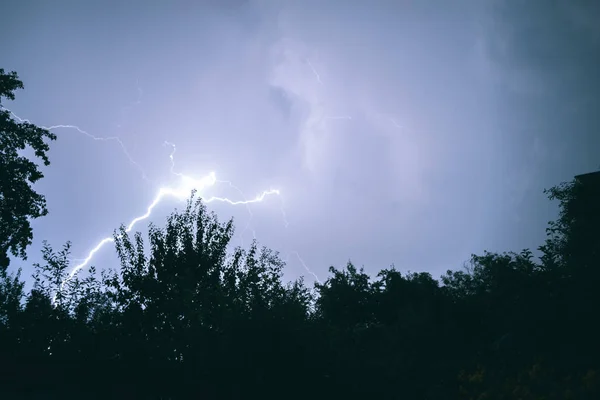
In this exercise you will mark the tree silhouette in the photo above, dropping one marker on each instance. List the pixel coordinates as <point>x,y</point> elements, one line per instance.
<point>18,201</point>
<point>187,315</point>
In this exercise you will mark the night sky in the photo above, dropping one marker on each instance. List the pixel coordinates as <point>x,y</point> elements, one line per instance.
<point>411,133</point>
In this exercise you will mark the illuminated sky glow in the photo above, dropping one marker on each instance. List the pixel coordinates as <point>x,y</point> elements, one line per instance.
<point>399,132</point>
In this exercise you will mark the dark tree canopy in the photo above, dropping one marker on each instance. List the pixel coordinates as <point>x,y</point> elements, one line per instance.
<point>18,201</point>
<point>187,316</point>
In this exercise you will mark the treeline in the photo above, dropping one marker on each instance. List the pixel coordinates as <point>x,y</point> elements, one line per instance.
<point>185,318</point>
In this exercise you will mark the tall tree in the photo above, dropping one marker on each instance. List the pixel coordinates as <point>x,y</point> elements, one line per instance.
<point>18,201</point>
<point>572,253</point>
<point>573,239</point>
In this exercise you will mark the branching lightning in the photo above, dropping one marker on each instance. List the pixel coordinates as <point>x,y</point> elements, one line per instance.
<point>231,185</point>
<point>306,267</point>
<point>93,137</point>
<point>180,192</point>
<point>314,71</point>
<point>397,125</point>
<point>137,102</point>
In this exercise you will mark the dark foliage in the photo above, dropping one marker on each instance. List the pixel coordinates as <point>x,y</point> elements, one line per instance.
<point>18,201</point>
<point>186,317</point>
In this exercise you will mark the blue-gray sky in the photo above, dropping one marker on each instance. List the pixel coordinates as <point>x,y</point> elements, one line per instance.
<point>411,133</point>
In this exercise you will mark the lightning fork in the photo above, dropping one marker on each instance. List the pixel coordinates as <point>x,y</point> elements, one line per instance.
<point>93,137</point>
<point>181,192</point>
<point>314,71</point>
<point>306,267</point>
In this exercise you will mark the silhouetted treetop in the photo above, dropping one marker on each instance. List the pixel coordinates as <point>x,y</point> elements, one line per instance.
<point>18,201</point>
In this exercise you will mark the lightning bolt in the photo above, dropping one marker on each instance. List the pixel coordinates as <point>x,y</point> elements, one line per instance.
<point>314,71</point>
<point>93,137</point>
<point>306,267</point>
<point>260,197</point>
<point>397,125</point>
<point>182,191</point>
<point>137,102</point>
<point>231,185</point>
